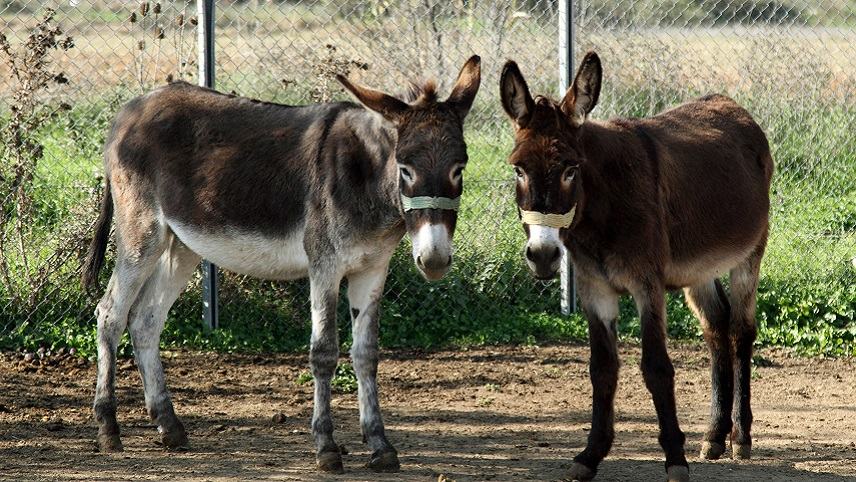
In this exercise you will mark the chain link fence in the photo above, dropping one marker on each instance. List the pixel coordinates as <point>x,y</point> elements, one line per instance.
<point>791,63</point>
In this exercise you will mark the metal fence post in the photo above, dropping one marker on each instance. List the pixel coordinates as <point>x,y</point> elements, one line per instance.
<point>566,76</point>
<point>205,39</point>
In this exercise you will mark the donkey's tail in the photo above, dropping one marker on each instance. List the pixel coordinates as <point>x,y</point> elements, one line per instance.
<point>95,258</point>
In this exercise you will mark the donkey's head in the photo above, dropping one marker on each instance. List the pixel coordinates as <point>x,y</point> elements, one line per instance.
<point>431,156</point>
<point>547,157</point>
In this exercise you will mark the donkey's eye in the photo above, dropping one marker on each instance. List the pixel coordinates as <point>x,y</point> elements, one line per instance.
<point>458,172</point>
<point>406,174</point>
<point>568,176</point>
<point>519,172</point>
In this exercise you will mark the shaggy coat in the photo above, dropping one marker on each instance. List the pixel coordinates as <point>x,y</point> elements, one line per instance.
<point>277,192</point>
<point>671,201</point>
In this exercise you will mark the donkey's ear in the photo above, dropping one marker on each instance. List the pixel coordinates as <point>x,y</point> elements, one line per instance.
<point>582,95</point>
<point>384,104</point>
<point>466,87</point>
<point>515,96</point>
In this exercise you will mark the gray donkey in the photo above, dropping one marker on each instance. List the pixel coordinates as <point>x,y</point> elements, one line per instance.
<point>279,192</point>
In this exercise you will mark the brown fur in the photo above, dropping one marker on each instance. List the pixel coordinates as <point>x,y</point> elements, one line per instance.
<point>665,202</point>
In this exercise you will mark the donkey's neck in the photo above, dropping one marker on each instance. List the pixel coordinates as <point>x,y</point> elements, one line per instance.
<point>379,138</point>
<point>364,180</point>
<point>617,170</point>
<point>600,148</point>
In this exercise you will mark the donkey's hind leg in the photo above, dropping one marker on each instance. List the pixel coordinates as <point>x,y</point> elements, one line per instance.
<point>145,324</point>
<point>710,305</point>
<point>136,258</point>
<point>744,286</point>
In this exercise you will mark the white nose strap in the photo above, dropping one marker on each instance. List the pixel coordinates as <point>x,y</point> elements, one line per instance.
<point>428,202</point>
<point>559,221</point>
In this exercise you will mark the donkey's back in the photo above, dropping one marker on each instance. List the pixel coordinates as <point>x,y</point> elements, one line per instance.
<point>209,159</point>
<point>232,178</point>
<point>713,166</point>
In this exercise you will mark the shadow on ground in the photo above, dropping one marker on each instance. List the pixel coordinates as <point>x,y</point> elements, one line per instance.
<point>442,424</point>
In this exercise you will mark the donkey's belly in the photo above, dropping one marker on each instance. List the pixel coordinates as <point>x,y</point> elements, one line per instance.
<point>703,268</point>
<point>252,254</point>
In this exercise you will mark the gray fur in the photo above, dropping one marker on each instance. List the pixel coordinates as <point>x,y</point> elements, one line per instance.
<point>272,191</point>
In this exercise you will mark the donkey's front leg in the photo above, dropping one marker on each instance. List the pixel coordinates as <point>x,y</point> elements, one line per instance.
<point>365,290</point>
<point>659,375</point>
<point>600,304</point>
<point>323,356</point>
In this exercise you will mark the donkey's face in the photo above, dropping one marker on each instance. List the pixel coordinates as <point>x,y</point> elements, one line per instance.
<point>547,157</point>
<point>430,154</point>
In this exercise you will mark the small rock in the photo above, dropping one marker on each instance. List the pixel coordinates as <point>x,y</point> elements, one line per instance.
<point>29,357</point>
<point>55,424</point>
<point>279,418</point>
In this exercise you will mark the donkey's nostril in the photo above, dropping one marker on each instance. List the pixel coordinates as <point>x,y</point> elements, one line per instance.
<point>529,255</point>
<point>449,262</point>
<point>556,254</point>
<point>419,262</point>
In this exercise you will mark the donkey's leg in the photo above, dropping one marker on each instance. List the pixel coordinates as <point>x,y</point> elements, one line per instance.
<point>136,259</point>
<point>710,305</point>
<point>146,322</point>
<point>323,356</point>
<point>744,286</point>
<point>600,305</point>
<point>365,290</point>
<point>659,375</point>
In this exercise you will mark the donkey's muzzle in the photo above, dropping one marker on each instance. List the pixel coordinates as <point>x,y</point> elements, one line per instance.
<point>432,250</point>
<point>543,261</point>
<point>434,267</point>
<point>543,251</point>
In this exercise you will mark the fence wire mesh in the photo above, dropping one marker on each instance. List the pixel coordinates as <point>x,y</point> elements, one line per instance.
<point>791,63</point>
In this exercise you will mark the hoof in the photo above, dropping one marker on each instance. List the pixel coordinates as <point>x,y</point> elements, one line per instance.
<point>386,461</point>
<point>711,450</point>
<point>108,443</point>
<point>330,462</point>
<point>741,451</point>
<point>678,473</point>
<point>175,440</point>
<point>580,472</point>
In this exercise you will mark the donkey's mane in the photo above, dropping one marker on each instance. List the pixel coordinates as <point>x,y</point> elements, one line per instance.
<point>554,106</point>
<point>545,101</point>
<point>421,93</point>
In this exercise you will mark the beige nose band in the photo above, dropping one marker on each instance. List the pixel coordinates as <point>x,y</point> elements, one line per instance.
<point>428,202</point>
<point>551,220</point>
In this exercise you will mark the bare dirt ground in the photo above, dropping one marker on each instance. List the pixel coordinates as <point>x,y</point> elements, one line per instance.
<point>515,413</point>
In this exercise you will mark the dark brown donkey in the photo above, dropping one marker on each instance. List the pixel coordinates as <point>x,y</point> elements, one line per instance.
<point>642,206</point>
<point>325,191</point>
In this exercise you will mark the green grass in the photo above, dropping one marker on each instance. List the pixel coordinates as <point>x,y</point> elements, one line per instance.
<point>807,298</point>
